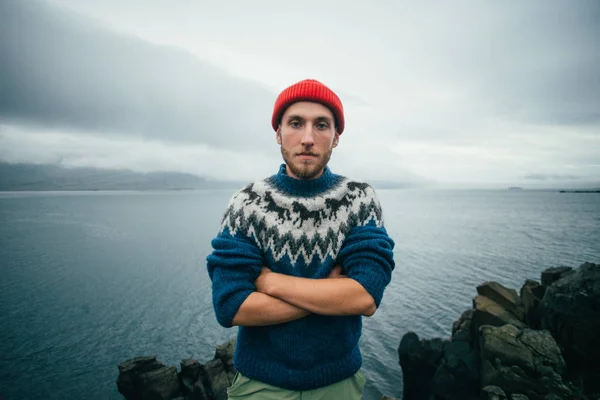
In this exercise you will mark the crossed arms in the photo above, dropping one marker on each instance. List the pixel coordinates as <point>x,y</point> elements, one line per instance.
<point>282,298</point>
<point>248,294</point>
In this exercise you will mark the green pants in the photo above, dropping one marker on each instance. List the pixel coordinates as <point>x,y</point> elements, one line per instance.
<point>245,388</point>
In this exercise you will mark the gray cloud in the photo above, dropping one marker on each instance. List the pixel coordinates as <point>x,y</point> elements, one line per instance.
<point>62,70</point>
<point>535,62</point>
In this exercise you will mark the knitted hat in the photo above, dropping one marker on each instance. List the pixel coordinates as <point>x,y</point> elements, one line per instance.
<point>309,90</point>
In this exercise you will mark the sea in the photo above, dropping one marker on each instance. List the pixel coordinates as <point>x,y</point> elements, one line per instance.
<point>91,279</point>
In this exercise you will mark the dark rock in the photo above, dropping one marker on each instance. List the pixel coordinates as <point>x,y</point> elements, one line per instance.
<point>531,295</point>
<point>146,377</point>
<point>518,396</point>
<point>225,353</point>
<point>190,371</point>
<point>571,312</point>
<point>526,362</point>
<point>419,360</point>
<point>504,297</point>
<point>488,312</point>
<point>198,392</point>
<point>217,379</point>
<point>493,393</point>
<point>461,329</point>
<point>551,275</point>
<point>160,384</point>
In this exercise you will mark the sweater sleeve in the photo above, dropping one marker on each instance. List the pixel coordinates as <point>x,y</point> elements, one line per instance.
<point>233,266</point>
<point>367,254</point>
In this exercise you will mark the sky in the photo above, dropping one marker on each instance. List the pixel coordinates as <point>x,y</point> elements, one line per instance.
<point>461,93</point>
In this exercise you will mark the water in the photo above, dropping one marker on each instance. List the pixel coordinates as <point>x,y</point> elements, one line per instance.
<point>89,279</point>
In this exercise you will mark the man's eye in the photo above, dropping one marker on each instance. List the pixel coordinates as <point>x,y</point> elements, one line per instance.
<point>322,125</point>
<point>295,124</point>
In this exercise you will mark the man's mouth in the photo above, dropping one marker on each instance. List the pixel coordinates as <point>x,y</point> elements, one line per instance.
<point>307,154</point>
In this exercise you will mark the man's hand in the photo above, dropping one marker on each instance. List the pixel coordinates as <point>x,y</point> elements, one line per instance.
<point>335,295</point>
<point>262,282</point>
<point>336,272</point>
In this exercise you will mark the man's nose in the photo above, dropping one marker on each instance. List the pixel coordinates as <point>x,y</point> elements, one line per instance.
<point>308,137</point>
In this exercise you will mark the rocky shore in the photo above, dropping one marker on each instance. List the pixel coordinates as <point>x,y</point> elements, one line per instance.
<point>539,344</point>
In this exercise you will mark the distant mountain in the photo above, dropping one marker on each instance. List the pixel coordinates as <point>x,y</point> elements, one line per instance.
<point>20,177</point>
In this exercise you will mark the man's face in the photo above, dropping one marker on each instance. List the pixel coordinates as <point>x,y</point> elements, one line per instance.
<point>307,136</point>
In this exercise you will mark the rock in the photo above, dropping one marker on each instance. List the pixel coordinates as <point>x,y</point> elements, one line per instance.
<point>488,312</point>
<point>571,312</point>
<point>457,376</point>
<point>388,398</point>
<point>461,329</point>
<point>127,382</point>
<point>493,393</point>
<point>217,381</point>
<point>518,397</point>
<point>190,371</point>
<point>551,275</point>
<point>225,353</point>
<point>198,392</point>
<point>531,295</point>
<point>160,384</point>
<point>145,377</point>
<point>419,360</point>
<point>521,361</point>
<point>504,297</point>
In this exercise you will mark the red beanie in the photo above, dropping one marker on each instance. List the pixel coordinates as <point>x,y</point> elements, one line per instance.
<point>309,90</point>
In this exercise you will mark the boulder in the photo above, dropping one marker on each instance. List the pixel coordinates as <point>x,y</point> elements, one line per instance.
<point>225,353</point>
<point>551,275</point>
<point>488,312</point>
<point>461,329</point>
<point>160,384</point>
<point>504,297</point>
<point>419,360</point>
<point>190,371</point>
<point>522,362</point>
<point>571,312</point>
<point>457,375</point>
<point>518,396</point>
<point>147,378</point>
<point>216,379</point>
<point>531,295</point>
<point>493,393</point>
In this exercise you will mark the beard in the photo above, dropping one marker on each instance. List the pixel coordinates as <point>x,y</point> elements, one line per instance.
<point>309,169</point>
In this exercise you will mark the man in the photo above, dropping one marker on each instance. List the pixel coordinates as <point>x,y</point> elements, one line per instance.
<point>300,257</point>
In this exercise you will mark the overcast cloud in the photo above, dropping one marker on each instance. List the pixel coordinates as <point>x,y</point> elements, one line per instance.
<point>465,92</point>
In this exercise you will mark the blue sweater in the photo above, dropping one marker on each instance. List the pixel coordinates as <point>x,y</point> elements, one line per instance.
<point>301,228</point>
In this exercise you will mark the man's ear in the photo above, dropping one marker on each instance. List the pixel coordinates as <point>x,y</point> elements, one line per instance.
<point>336,139</point>
<point>278,134</point>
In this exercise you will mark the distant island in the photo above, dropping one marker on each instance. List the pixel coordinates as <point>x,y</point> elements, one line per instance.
<point>580,191</point>
<point>515,188</point>
<point>49,177</point>
<point>54,177</point>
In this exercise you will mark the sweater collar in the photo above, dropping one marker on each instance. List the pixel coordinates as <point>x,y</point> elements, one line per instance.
<point>304,187</point>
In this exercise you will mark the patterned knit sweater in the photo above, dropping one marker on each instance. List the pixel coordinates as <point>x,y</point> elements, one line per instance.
<point>301,228</point>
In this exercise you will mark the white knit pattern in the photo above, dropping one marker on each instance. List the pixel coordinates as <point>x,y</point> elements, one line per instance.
<point>305,227</point>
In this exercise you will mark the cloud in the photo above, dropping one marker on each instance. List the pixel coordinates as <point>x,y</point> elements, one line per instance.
<point>62,70</point>
<point>79,149</point>
<point>464,92</point>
